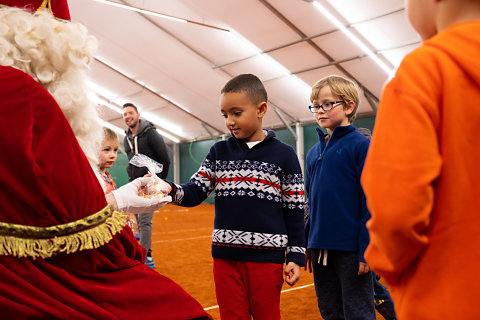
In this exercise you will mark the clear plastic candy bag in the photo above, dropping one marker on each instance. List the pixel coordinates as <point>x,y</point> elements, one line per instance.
<point>156,187</point>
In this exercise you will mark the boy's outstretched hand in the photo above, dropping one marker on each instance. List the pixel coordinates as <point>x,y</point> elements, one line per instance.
<point>126,198</point>
<point>292,273</point>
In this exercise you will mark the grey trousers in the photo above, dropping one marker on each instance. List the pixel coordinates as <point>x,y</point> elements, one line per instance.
<point>144,222</point>
<point>341,292</point>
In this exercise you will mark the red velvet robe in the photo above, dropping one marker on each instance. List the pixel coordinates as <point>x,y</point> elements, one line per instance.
<point>46,180</point>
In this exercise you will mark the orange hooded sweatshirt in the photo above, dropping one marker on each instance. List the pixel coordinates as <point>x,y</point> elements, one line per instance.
<point>422,180</point>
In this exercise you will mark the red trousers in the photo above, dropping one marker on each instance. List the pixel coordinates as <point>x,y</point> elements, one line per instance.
<point>245,289</point>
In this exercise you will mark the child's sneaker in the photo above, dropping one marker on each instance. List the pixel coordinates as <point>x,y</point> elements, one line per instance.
<point>137,236</point>
<point>149,262</point>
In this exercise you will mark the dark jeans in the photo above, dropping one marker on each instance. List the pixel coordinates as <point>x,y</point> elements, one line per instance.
<point>383,300</point>
<point>341,292</point>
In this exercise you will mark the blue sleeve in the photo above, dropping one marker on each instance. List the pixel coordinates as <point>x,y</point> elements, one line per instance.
<point>293,198</point>
<point>307,212</point>
<point>201,184</point>
<point>363,236</point>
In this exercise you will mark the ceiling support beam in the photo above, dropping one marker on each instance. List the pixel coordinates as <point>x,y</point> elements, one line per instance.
<point>211,63</point>
<point>283,46</point>
<point>303,36</point>
<point>372,100</point>
<point>212,136</point>
<point>300,146</point>
<point>176,163</point>
<point>336,63</point>
<point>158,95</point>
<point>285,122</point>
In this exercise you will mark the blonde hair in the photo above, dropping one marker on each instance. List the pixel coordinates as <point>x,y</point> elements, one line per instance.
<point>341,87</point>
<point>109,135</point>
<point>56,54</point>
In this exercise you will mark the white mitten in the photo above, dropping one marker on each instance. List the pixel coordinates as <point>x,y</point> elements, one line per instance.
<point>128,199</point>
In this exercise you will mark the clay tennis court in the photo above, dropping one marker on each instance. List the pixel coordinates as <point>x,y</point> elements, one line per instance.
<point>181,248</point>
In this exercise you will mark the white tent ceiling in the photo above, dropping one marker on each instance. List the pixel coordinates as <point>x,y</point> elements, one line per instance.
<point>174,71</point>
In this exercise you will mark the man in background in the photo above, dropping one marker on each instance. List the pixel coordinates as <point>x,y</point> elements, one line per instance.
<point>142,137</point>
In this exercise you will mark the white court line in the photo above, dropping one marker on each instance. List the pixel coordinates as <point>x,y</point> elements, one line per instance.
<point>298,288</point>
<point>287,290</point>
<point>183,239</point>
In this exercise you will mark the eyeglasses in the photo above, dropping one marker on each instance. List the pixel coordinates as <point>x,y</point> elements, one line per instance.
<point>326,106</point>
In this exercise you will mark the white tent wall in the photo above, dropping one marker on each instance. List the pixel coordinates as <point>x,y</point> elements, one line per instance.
<point>174,71</point>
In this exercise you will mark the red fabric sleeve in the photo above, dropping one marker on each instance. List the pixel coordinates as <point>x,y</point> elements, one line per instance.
<point>46,180</point>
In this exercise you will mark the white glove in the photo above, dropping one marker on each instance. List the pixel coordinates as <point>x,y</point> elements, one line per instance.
<point>128,199</point>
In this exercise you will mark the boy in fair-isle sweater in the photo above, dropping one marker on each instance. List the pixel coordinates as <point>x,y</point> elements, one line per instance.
<point>259,198</point>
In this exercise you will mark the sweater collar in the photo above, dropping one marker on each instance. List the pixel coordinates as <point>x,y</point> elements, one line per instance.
<point>337,133</point>
<point>243,144</point>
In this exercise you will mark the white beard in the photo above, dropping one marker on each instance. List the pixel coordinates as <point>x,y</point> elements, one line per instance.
<point>81,113</point>
<point>56,54</point>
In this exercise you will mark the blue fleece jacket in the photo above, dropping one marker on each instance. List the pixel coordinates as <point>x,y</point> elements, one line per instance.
<point>259,198</point>
<point>337,207</point>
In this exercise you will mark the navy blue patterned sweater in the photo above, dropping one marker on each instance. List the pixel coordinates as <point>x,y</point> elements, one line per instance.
<point>259,198</point>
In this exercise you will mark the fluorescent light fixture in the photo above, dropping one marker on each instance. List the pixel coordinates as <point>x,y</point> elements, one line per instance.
<point>354,10</point>
<point>167,98</point>
<point>254,50</point>
<point>352,37</point>
<point>146,115</point>
<point>395,56</point>
<point>302,86</point>
<point>101,91</point>
<point>274,64</point>
<point>102,101</point>
<point>111,107</point>
<point>162,123</point>
<point>112,126</point>
<point>98,95</point>
<point>168,135</point>
<point>122,132</point>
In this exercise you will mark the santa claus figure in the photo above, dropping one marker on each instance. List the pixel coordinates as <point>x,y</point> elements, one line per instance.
<point>65,250</point>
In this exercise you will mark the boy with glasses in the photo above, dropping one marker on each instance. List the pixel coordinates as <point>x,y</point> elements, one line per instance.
<point>336,227</point>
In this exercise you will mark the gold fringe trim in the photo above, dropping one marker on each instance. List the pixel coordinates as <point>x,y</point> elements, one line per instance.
<point>44,5</point>
<point>88,233</point>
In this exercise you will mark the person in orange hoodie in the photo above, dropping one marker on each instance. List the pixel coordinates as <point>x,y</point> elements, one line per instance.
<point>421,174</point>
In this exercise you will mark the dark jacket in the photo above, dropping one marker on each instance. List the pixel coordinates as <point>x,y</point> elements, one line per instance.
<point>149,142</point>
<point>337,206</point>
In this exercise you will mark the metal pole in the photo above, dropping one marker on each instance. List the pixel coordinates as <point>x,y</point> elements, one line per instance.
<point>176,163</point>
<point>300,146</point>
